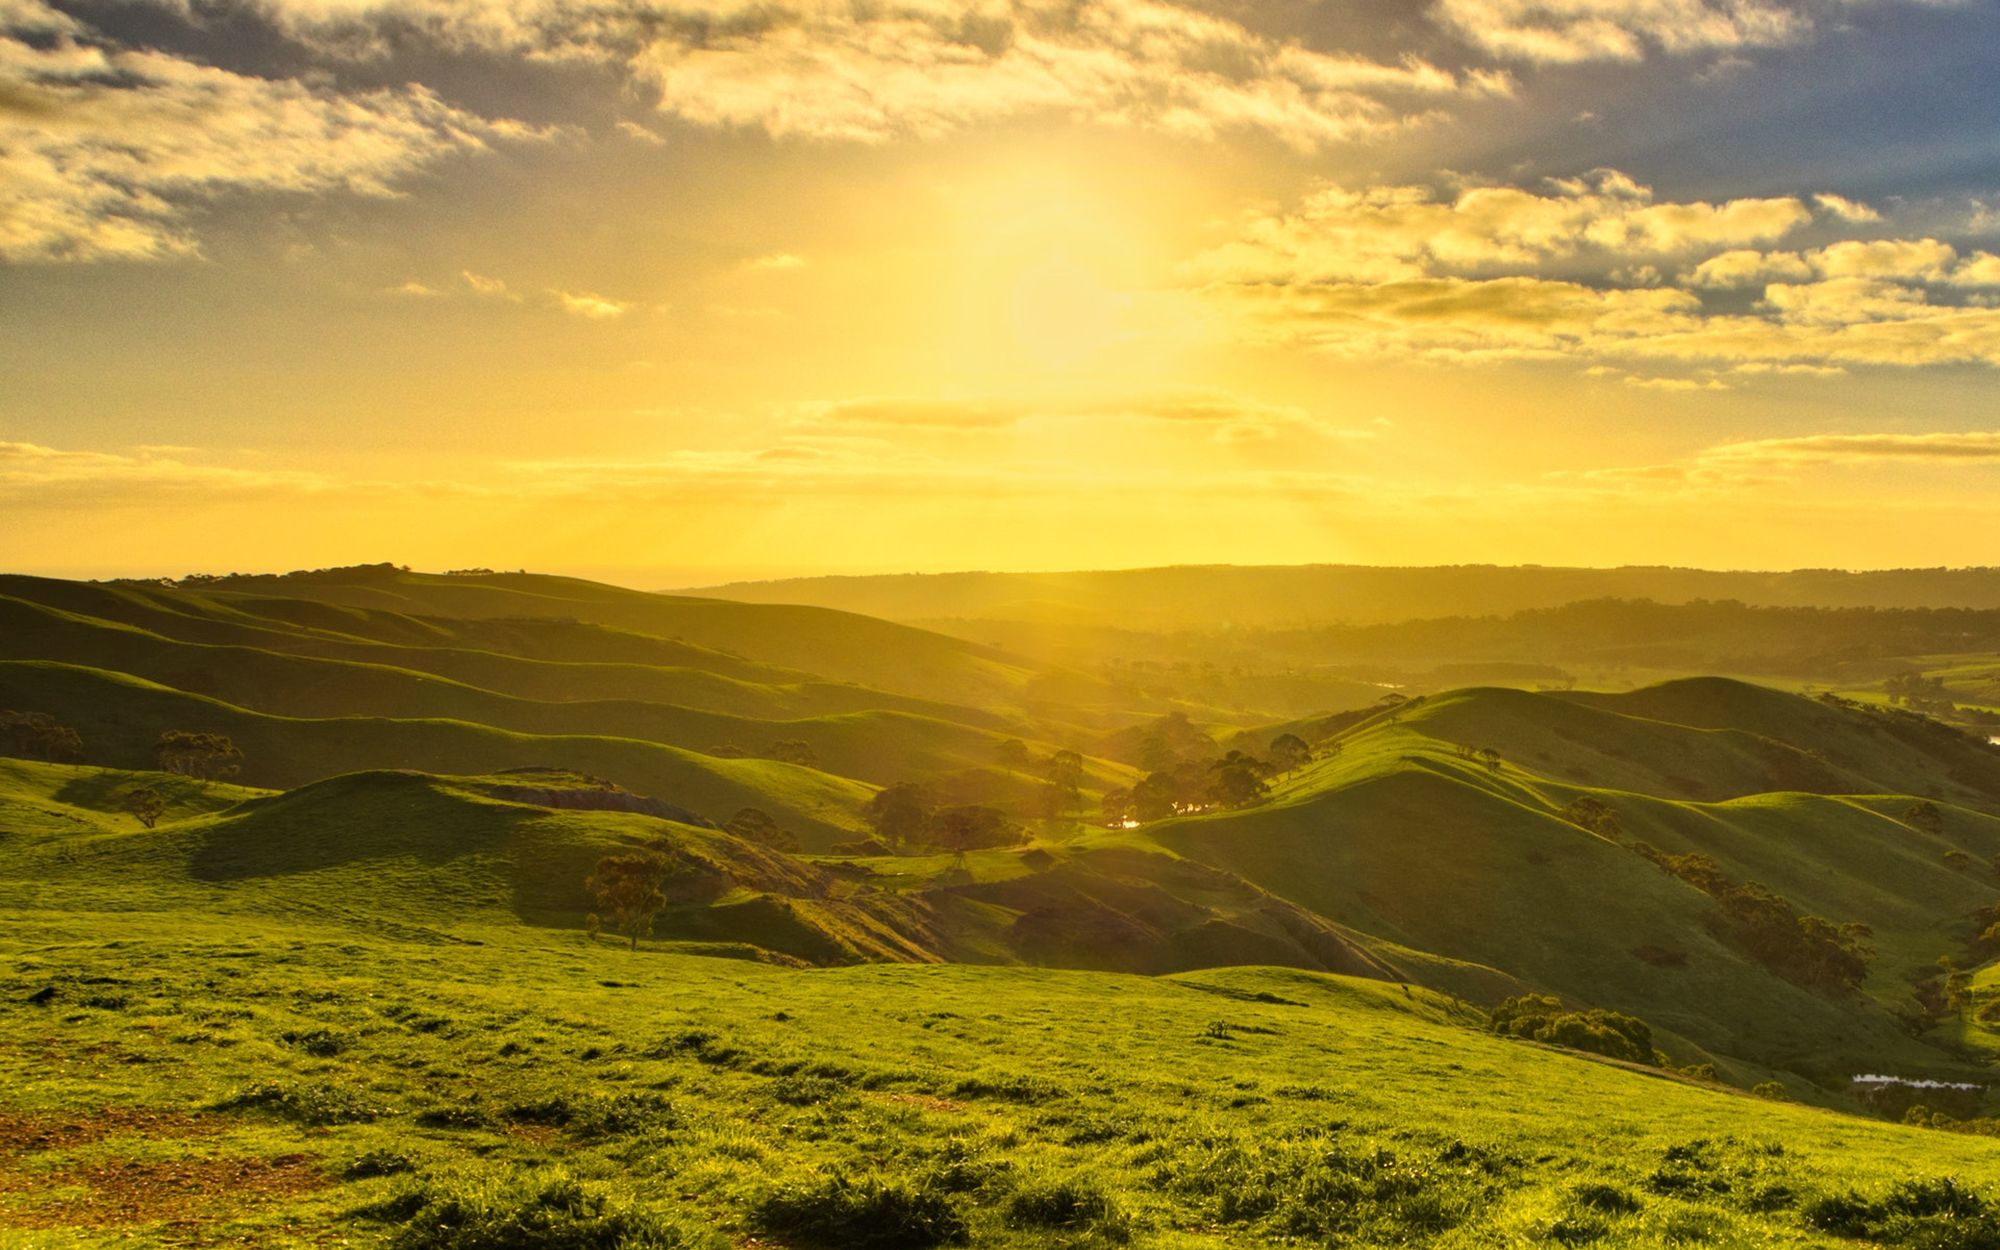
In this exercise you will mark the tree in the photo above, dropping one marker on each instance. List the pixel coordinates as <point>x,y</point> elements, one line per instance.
<point>146,804</point>
<point>1590,812</point>
<point>37,736</point>
<point>754,824</point>
<point>792,751</point>
<point>627,887</point>
<point>1064,774</point>
<point>1117,807</point>
<point>1236,780</point>
<point>899,815</point>
<point>205,756</point>
<point>1490,757</point>
<point>1014,754</point>
<point>972,828</point>
<point>1289,751</point>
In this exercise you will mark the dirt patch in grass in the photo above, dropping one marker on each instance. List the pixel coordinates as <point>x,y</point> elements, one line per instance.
<point>925,1101</point>
<point>23,1132</point>
<point>179,1191</point>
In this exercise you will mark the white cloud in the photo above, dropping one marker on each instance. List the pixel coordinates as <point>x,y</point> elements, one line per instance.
<point>1743,267</point>
<point>107,153</point>
<point>1391,233</point>
<point>1495,273</point>
<point>1569,31</point>
<point>922,68</point>
<point>590,307</point>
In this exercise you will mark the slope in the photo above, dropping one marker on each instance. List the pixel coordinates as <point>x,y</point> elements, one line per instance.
<point>120,717</point>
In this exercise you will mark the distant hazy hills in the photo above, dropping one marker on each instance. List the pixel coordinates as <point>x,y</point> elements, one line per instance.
<point>1212,596</point>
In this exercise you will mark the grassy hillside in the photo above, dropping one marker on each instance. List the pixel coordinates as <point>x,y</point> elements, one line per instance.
<point>122,716</point>
<point>838,645</point>
<point>1399,836</point>
<point>872,744</point>
<point>547,660</point>
<point>462,1087</point>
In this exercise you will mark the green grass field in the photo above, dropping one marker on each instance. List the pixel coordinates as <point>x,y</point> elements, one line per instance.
<point>349,996</point>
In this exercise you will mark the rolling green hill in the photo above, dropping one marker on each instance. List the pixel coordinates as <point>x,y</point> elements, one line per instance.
<point>838,645</point>
<point>122,716</point>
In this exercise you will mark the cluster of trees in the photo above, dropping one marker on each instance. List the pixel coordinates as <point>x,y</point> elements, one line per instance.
<point>1543,1018</point>
<point>1191,785</point>
<point>1919,693</point>
<point>754,824</point>
<point>204,756</point>
<point>1812,951</point>
<point>786,751</point>
<point>909,816</point>
<point>38,736</point>
<point>1478,755</point>
<point>1187,776</point>
<point>1587,811</point>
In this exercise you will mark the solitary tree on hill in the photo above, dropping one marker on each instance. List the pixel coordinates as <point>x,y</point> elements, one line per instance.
<point>205,756</point>
<point>627,888</point>
<point>1289,751</point>
<point>146,805</point>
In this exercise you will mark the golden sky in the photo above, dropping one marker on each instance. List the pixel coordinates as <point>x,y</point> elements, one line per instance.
<point>672,291</point>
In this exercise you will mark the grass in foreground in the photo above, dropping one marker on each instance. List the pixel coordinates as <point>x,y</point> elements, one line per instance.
<point>206,1080</point>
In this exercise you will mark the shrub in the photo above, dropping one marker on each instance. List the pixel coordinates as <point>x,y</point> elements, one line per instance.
<point>1543,1018</point>
<point>1071,1202</point>
<point>378,1163</point>
<point>550,1213</point>
<point>303,1102</point>
<point>1608,1199</point>
<point>866,1214</point>
<point>1936,1214</point>
<point>1319,1187</point>
<point>319,1043</point>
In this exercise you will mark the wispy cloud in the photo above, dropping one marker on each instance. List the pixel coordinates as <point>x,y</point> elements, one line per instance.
<point>871,74</point>
<point>1571,31</point>
<point>108,153</point>
<point>590,307</point>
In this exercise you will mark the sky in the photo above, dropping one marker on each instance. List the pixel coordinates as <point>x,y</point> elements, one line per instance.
<point>672,292</point>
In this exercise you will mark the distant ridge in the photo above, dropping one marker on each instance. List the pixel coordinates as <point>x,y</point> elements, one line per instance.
<point>1204,596</point>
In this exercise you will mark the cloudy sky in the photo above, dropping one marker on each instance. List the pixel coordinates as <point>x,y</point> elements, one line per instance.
<point>671,291</point>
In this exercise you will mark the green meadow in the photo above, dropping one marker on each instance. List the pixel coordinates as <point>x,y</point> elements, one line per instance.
<point>364,987</point>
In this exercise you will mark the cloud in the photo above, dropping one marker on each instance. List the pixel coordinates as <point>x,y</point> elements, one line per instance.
<point>924,68</point>
<point>415,289</point>
<point>1924,260</point>
<point>1229,417</point>
<point>491,288</point>
<point>775,261</point>
<point>1742,267</point>
<point>590,307</point>
<point>1391,233</point>
<point>1571,269</point>
<point>30,470</point>
<point>107,153</point>
<point>1977,447</point>
<point>1562,32</point>
<point>1846,209</point>
<point>942,414</point>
